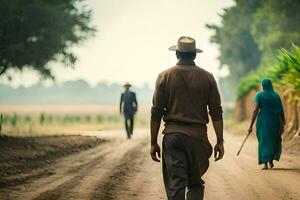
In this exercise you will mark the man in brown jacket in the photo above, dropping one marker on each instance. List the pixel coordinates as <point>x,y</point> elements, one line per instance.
<point>183,97</point>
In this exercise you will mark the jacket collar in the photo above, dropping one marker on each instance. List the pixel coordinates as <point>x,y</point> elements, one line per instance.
<point>186,62</point>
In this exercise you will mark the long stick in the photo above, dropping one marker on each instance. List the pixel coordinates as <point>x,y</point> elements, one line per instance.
<point>238,153</point>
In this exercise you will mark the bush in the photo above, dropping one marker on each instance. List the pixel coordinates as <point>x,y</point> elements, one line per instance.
<point>250,82</point>
<point>42,118</point>
<point>27,119</point>
<point>14,120</point>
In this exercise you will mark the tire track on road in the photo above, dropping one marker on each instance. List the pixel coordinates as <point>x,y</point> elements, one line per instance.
<point>109,187</point>
<point>99,171</point>
<point>63,172</point>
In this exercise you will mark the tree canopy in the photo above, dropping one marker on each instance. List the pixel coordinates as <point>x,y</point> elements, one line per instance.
<point>252,32</point>
<point>276,25</point>
<point>36,32</point>
<point>238,49</point>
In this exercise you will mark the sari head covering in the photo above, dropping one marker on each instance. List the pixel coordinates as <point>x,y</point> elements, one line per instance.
<point>267,85</point>
<point>268,99</point>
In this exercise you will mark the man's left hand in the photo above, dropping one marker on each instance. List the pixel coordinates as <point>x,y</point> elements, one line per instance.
<point>219,151</point>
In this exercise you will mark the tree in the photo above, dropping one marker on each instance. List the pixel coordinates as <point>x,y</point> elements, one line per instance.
<point>36,32</point>
<point>238,49</point>
<point>252,32</point>
<point>276,25</point>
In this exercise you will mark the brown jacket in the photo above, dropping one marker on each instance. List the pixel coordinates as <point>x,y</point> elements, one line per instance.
<point>183,95</point>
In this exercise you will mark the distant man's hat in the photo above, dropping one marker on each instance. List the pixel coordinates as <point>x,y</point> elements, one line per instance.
<point>185,44</point>
<point>127,84</point>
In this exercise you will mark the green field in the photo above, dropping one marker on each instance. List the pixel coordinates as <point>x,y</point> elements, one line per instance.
<point>52,119</point>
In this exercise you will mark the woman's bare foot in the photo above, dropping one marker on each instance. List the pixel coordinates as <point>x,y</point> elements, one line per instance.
<point>271,164</point>
<point>265,167</point>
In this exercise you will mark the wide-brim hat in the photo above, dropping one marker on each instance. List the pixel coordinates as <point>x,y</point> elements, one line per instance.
<point>185,44</point>
<point>127,84</point>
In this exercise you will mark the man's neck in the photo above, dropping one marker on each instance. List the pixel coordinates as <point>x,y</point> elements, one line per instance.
<point>185,62</point>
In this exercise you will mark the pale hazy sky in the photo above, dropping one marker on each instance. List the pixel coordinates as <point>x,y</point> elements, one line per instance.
<point>133,39</point>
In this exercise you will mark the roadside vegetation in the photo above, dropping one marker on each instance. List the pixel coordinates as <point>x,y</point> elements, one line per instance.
<point>284,72</point>
<point>260,39</point>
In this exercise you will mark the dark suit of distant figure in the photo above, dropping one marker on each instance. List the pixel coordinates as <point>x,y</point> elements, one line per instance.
<point>128,105</point>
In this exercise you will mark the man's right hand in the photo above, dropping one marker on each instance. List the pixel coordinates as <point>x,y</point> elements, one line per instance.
<point>219,151</point>
<point>155,152</point>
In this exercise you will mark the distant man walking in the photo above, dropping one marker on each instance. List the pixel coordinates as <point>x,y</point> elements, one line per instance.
<point>182,95</point>
<point>128,105</point>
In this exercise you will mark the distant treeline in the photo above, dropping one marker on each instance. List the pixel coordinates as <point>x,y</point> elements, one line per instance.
<point>77,91</point>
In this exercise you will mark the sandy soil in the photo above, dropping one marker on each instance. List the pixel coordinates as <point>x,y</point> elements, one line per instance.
<point>122,169</point>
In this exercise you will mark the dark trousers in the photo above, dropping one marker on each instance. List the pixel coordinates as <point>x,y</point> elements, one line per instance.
<point>185,160</point>
<point>129,123</point>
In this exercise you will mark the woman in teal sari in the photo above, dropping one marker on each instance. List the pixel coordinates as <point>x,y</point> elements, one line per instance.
<point>269,125</point>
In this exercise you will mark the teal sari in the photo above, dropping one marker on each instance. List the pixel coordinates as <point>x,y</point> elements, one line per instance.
<point>269,118</point>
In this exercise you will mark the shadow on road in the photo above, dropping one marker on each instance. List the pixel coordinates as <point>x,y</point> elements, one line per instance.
<point>287,169</point>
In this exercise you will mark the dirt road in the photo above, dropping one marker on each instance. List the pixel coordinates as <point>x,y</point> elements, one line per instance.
<point>122,169</point>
